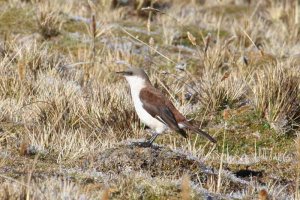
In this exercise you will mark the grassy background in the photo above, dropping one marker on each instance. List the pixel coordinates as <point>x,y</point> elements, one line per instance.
<point>67,121</point>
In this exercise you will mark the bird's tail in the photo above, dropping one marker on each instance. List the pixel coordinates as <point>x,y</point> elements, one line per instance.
<point>200,132</point>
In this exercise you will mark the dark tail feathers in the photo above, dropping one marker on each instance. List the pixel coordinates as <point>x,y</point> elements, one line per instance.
<point>200,132</point>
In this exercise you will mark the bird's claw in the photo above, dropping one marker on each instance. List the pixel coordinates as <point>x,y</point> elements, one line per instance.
<point>145,144</point>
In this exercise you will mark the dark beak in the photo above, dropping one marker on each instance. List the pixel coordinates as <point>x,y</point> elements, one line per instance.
<point>121,72</point>
<point>124,73</point>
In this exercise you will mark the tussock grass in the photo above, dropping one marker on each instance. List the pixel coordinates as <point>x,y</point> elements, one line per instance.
<point>276,96</point>
<point>48,19</point>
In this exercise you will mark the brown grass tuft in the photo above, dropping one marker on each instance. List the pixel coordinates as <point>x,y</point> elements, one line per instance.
<point>263,195</point>
<point>21,71</point>
<point>185,187</point>
<point>106,194</point>
<point>24,148</point>
<point>49,20</point>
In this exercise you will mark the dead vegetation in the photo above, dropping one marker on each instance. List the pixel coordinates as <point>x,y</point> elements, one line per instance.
<point>232,67</point>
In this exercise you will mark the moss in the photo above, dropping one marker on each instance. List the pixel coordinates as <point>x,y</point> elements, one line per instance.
<point>139,189</point>
<point>198,34</point>
<point>242,139</point>
<point>246,133</point>
<point>233,10</point>
<point>67,43</point>
<point>139,30</point>
<point>18,20</point>
<point>72,26</point>
<point>181,39</point>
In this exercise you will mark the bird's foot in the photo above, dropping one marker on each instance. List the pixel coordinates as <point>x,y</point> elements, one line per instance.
<point>145,144</point>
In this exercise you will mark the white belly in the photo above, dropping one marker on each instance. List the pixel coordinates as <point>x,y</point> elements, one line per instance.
<point>145,117</point>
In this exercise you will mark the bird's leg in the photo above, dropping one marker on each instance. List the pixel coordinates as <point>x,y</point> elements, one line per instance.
<point>148,143</point>
<point>153,138</point>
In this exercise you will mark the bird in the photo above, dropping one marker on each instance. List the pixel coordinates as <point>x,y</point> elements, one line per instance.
<point>154,109</point>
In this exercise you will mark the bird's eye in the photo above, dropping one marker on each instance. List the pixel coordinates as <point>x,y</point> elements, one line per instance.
<point>128,73</point>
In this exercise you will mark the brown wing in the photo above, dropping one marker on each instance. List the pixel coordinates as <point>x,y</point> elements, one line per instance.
<point>161,108</point>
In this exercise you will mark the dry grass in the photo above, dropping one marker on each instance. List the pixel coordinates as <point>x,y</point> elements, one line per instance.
<point>277,96</point>
<point>297,144</point>
<point>61,104</point>
<point>49,19</point>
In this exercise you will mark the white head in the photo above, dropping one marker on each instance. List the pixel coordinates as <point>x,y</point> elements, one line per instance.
<point>136,77</point>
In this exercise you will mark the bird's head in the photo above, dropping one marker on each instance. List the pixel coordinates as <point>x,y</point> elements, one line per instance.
<point>135,76</point>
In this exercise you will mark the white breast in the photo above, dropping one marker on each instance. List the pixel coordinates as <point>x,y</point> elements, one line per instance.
<point>136,84</point>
